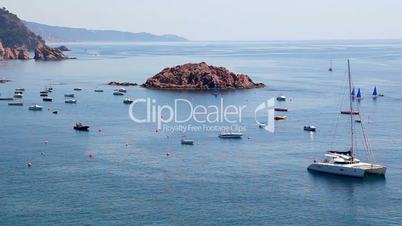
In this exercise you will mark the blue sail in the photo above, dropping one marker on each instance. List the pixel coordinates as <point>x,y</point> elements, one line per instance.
<point>359,93</point>
<point>216,90</point>
<point>353,92</point>
<point>375,91</point>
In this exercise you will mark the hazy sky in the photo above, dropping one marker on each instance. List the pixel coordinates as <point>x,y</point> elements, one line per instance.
<point>224,19</point>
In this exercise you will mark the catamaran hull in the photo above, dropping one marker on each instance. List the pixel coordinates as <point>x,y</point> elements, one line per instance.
<point>358,171</point>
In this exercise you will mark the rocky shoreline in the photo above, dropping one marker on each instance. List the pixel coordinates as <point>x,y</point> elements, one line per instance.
<point>114,83</point>
<point>199,76</point>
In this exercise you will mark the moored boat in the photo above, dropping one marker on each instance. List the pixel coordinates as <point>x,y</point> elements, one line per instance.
<point>345,163</point>
<point>127,101</point>
<point>6,98</point>
<point>281,98</point>
<point>98,90</point>
<point>281,109</point>
<point>35,107</point>
<point>117,93</point>
<point>48,99</point>
<point>18,95</point>
<point>280,117</point>
<point>187,142</point>
<point>230,135</point>
<point>310,128</point>
<point>70,101</point>
<point>350,112</point>
<point>15,104</point>
<point>79,126</point>
<point>77,89</point>
<point>69,95</point>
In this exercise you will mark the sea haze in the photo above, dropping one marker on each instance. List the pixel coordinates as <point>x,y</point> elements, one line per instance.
<point>260,179</point>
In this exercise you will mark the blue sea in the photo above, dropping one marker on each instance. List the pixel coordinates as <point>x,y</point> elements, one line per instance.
<point>139,175</point>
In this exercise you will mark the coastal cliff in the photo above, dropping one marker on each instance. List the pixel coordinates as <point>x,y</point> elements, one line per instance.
<point>16,40</point>
<point>13,54</point>
<point>199,76</point>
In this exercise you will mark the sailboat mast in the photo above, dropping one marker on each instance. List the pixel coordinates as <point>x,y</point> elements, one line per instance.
<point>351,110</point>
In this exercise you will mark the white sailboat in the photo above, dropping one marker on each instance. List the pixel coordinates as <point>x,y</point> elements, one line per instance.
<point>345,163</point>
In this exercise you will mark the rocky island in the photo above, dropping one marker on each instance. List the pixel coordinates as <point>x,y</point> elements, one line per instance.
<point>199,76</point>
<point>16,40</point>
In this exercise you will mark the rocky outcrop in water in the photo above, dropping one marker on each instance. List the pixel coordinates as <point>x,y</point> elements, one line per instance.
<point>63,48</point>
<point>46,53</point>
<point>114,83</point>
<point>199,76</point>
<point>13,54</point>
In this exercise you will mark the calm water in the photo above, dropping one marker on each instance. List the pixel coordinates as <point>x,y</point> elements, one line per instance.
<point>260,179</point>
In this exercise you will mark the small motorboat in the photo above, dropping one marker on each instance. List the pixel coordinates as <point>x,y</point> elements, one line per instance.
<point>69,95</point>
<point>19,90</point>
<point>18,95</point>
<point>281,109</point>
<point>230,135</point>
<point>187,142</point>
<point>49,89</point>
<point>79,126</point>
<point>44,94</point>
<point>70,101</point>
<point>117,93</point>
<point>6,98</point>
<point>281,117</point>
<point>349,112</point>
<point>262,126</point>
<point>281,98</point>
<point>381,95</point>
<point>98,90</point>
<point>35,107</point>
<point>15,104</point>
<point>358,121</point>
<point>55,112</point>
<point>310,128</point>
<point>122,90</point>
<point>127,101</point>
<point>48,99</point>
<point>77,89</point>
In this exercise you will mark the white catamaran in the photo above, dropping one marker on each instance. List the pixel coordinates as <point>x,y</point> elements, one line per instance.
<point>345,163</point>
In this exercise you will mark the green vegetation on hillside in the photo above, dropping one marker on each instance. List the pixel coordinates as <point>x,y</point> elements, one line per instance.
<point>14,33</point>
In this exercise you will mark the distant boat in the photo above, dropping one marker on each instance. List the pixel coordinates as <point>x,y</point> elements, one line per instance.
<point>310,128</point>
<point>19,89</point>
<point>349,112</point>
<point>15,104</point>
<point>281,98</point>
<point>18,95</point>
<point>98,90</point>
<point>121,90</point>
<point>35,107</point>
<point>69,95</point>
<point>280,117</point>
<point>187,142</point>
<point>79,126</point>
<point>345,163</point>
<point>44,94</point>
<point>330,67</point>
<point>216,90</point>
<point>70,101</point>
<point>48,99</point>
<point>18,92</point>
<point>281,109</point>
<point>117,93</point>
<point>6,98</point>
<point>230,135</point>
<point>77,89</point>
<point>127,101</point>
<point>353,93</point>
